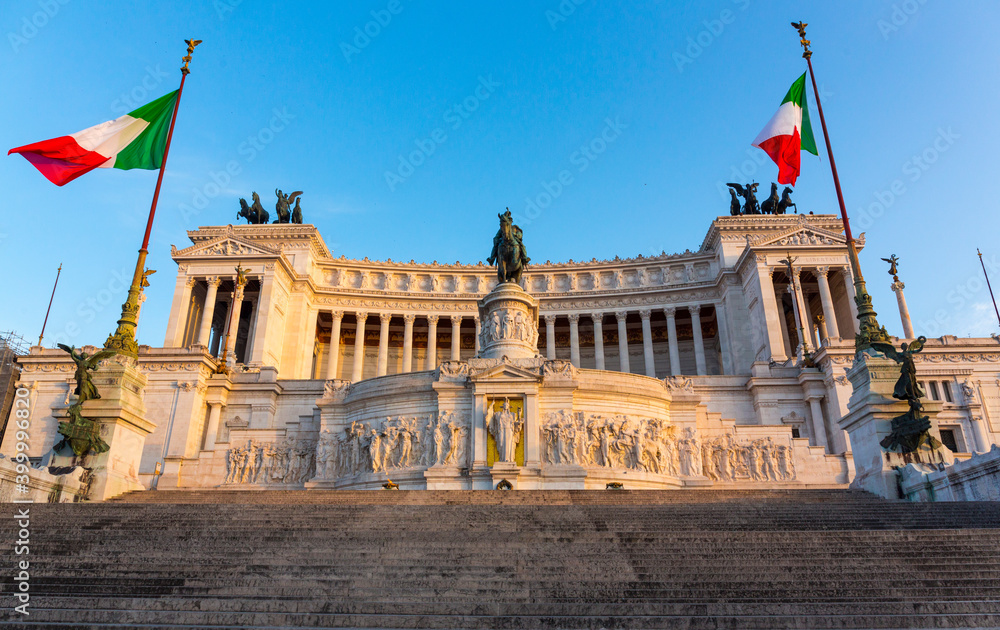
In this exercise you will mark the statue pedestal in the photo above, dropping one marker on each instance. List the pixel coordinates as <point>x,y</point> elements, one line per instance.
<point>505,471</point>
<point>444,478</point>
<point>121,416</point>
<point>869,420</point>
<point>509,319</point>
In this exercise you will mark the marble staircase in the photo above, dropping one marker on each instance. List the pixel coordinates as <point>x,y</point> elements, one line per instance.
<point>524,559</point>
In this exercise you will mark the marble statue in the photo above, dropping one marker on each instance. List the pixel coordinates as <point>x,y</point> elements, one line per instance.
<point>505,427</point>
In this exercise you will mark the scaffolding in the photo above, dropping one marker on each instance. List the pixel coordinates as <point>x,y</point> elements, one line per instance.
<point>12,346</point>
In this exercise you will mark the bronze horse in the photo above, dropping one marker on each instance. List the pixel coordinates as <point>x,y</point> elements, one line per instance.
<point>255,214</point>
<point>508,250</point>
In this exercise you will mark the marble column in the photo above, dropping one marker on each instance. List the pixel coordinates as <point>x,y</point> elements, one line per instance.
<point>598,319</point>
<point>334,363</point>
<point>724,341</point>
<point>456,337</point>
<point>214,413</point>
<point>826,299</point>
<point>904,312</point>
<point>263,316</point>
<point>432,336</point>
<point>408,342</point>
<point>479,331</point>
<point>802,309</point>
<point>699,343</point>
<point>771,313</point>
<point>675,353</point>
<point>308,346</point>
<point>550,337</point>
<point>383,344</point>
<point>233,325</point>
<point>647,342</point>
<point>574,339</point>
<point>824,333</point>
<point>204,335</point>
<point>799,328</point>
<point>624,366</point>
<point>818,425</point>
<point>849,285</point>
<point>359,348</point>
<point>179,311</point>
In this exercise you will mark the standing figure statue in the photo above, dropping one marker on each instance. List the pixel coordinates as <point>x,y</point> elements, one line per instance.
<point>749,194</point>
<point>283,205</point>
<point>893,267</point>
<point>505,427</point>
<point>85,364</point>
<point>509,253</point>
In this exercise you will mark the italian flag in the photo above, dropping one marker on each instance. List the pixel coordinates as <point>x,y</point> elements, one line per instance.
<point>789,133</point>
<point>136,140</point>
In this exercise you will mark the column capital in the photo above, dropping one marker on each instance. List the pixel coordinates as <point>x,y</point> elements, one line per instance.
<point>385,317</point>
<point>409,317</point>
<point>670,311</point>
<point>897,286</point>
<point>433,319</point>
<point>645,313</point>
<point>573,318</point>
<point>361,316</point>
<point>848,275</point>
<point>213,281</point>
<point>550,320</point>
<point>695,310</point>
<point>621,316</point>
<point>190,282</point>
<point>598,318</point>
<point>337,315</point>
<point>796,273</point>
<point>456,320</point>
<point>822,271</point>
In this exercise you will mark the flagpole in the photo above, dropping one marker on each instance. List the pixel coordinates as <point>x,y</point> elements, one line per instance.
<point>123,339</point>
<point>987,284</point>
<point>52,297</point>
<point>869,328</point>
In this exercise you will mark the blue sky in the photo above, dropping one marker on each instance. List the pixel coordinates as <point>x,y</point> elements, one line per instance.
<point>500,98</point>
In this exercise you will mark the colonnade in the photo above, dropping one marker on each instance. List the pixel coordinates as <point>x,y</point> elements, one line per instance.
<point>406,361</point>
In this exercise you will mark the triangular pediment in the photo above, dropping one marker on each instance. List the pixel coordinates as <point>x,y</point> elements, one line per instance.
<point>801,236</point>
<point>504,372</point>
<point>224,246</point>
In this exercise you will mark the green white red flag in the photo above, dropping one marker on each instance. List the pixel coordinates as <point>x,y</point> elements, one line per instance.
<point>788,133</point>
<point>135,140</point>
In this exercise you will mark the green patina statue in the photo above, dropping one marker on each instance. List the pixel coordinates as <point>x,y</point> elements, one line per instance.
<point>911,429</point>
<point>509,253</point>
<point>83,435</point>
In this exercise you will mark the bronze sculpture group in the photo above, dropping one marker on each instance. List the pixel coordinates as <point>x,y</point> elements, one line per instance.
<point>83,435</point>
<point>509,253</point>
<point>911,429</point>
<point>774,204</point>
<point>255,214</point>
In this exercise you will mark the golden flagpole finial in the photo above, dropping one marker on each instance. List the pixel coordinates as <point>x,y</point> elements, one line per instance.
<point>187,59</point>
<point>801,28</point>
